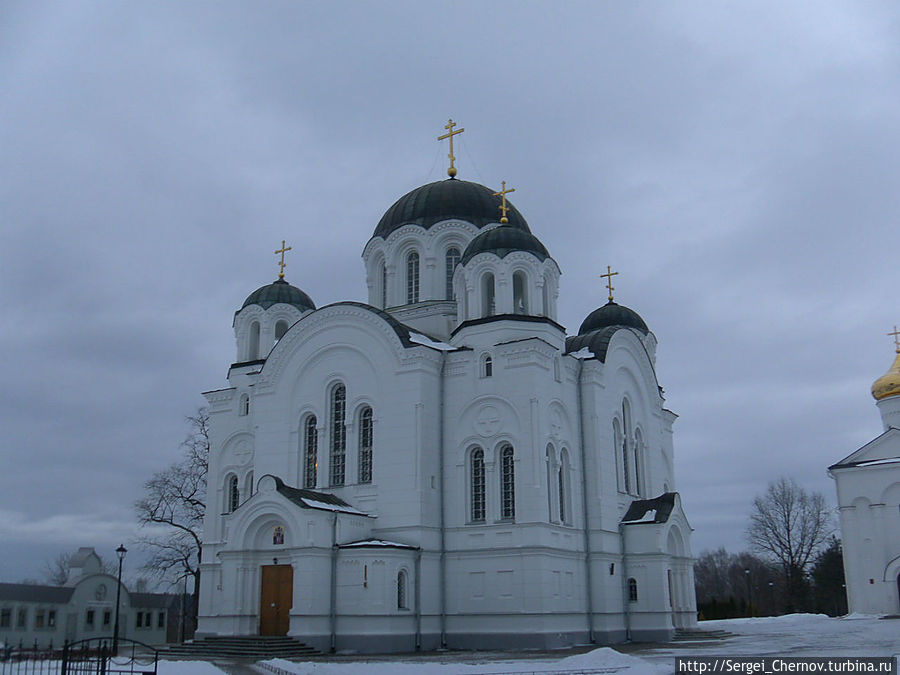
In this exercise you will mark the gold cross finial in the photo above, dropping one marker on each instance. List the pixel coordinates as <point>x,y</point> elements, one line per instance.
<point>896,336</point>
<point>503,207</point>
<point>284,249</point>
<point>450,134</point>
<point>608,276</point>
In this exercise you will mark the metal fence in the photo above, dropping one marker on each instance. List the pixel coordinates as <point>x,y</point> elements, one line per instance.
<point>95,656</point>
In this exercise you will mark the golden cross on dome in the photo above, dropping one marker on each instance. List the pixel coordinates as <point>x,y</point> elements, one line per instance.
<point>608,276</point>
<point>284,249</point>
<point>450,134</point>
<point>896,336</point>
<point>503,207</point>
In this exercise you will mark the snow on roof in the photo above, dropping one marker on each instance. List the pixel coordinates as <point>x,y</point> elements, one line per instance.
<point>872,462</point>
<point>583,353</point>
<point>315,504</point>
<point>648,517</point>
<point>420,339</point>
<point>366,543</point>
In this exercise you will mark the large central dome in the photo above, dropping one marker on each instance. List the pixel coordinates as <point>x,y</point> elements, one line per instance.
<point>446,199</point>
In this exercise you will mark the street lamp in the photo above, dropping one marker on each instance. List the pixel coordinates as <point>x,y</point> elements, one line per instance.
<point>749,594</point>
<point>121,551</point>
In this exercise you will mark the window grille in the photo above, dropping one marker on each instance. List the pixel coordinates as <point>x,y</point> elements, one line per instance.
<point>478,485</point>
<point>452,260</point>
<point>234,494</point>
<point>412,278</point>
<point>310,460</point>
<point>508,484</point>
<point>338,434</point>
<point>401,590</point>
<point>365,446</point>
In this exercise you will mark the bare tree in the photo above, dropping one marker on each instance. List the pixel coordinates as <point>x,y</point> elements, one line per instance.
<point>172,509</point>
<point>789,525</point>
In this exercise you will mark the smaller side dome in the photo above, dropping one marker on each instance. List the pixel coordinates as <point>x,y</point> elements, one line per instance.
<point>612,314</point>
<point>503,240</point>
<point>279,291</point>
<point>889,383</point>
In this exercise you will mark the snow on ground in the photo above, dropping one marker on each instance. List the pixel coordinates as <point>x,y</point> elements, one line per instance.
<point>602,660</point>
<point>791,635</point>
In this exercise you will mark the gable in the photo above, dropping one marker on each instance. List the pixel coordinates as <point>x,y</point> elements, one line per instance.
<point>884,447</point>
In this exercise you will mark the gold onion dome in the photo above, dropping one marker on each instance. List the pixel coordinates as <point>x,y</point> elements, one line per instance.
<point>889,383</point>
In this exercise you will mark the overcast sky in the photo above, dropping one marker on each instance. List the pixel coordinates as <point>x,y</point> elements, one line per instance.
<point>736,163</point>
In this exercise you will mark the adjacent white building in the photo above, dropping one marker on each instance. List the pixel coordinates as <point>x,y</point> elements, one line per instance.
<point>868,491</point>
<point>85,607</point>
<point>443,465</point>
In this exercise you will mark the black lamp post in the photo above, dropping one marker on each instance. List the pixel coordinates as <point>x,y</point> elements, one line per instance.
<point>121,551</point>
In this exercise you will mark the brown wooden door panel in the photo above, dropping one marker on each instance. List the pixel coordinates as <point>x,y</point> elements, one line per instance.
<point>276,599</point>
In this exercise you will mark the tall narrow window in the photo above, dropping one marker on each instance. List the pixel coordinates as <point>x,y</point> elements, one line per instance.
<point>310,450</point>
<point>280,329</point>
<point>244,406</point>
<point>477,460</point>
<point>507,483</point>
<point>632,590</point>
<point>563,486</point>
<point>638,469</point>
<point>520,294</point>
<point>383,286</point>
<point>617,443</point>
<point>487,295</point>
<point>401,590</point>
<point>248,485</point>
<point>550,460</point>
<point>365,446</point>
<point>253,348</point>
<point>452,260</point>
<point>338,434</point>
<point>626,437</point>
<point>545,298</point>
<point>233,494</point>
<point>487,366</point>
<point>412,278</point>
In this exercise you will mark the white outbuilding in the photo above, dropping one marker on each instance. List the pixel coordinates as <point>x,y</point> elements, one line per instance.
<point>443,465</point>
<point>868,492</point>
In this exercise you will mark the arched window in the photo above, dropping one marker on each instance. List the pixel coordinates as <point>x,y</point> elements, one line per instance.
<point>244,406</point>
<point>545,298</point>
<point>626,434</point>
<point>617,444</point>
<point>338,434</point>
<point>632,590</point>
<point>253,349</point>
<point>365,445</point>
<point>638,469</point>
<point>412,277</point>
<point>487,295</point>
<point>233,494</point>
<point>487,366</point>
<point>281,327</point>
<point>520,293</point>
<point>310,450</point>
<point>248,485</point>
<point>562,480</point>
<point>401,590</point>
<point>551,463</point>
<point>383,286</point>
<point>507,484</point>
<point>477,486</point>
<point>452,260</point>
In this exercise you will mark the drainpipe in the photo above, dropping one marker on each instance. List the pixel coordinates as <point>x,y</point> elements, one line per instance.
<point>418,600</point>
<point>443,558</point>
<point>334,552</point>
<point>589,579</point>
<point>626,600</point>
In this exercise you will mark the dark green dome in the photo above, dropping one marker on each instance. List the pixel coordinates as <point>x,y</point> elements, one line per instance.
<point>612,314</point>
<point>502,241</point>
<point>279,291</point>
<point>443,200</point>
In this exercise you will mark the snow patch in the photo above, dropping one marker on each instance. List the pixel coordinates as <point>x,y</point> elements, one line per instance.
<point>325,506</point>
<point>420,339</point>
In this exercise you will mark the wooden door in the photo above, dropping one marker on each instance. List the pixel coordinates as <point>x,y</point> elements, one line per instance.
<point>276,599</point>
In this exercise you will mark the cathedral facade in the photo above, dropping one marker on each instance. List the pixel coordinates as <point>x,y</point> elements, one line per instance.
<point>443,465</point>
<point>868,492</point>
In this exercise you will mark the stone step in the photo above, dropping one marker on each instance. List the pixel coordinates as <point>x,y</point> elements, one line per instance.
<point>250,647</point>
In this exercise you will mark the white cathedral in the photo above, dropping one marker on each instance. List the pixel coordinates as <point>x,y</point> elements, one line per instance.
<point>868,492</point>
<point>443,466</point>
